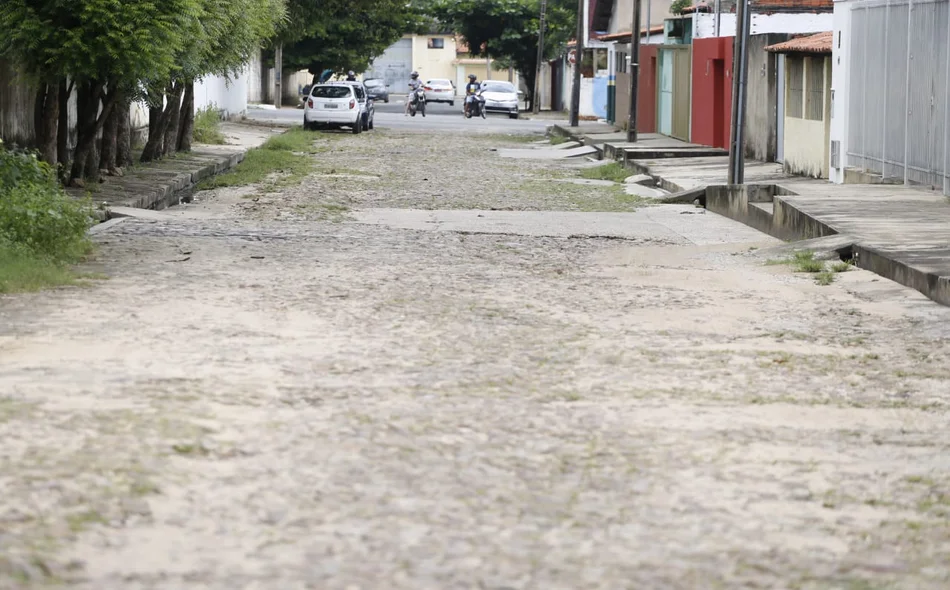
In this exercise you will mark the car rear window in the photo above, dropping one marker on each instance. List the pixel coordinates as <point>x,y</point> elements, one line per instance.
<point>331,92</point>
<point>498,87</point>
<point>373,83</point>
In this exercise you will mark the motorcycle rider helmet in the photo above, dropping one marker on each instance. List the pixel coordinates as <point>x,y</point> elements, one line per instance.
<point>472,77</point>
<point>414,75</point>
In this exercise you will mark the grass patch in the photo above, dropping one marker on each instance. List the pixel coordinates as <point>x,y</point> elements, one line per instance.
<point>282,160</point>
<point>22,271</point>
<point>615,171</point>
<point>805,262</point>
<point>515,137</point>
<point>208,126</point>
<point>559,139</point>
<point>42,229</point>
<point>190,449</point>
<point>841,267</point>
<point>80,521</point>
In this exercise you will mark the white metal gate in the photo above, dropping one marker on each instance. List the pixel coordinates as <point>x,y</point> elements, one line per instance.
<point>394,66</point>
<point>899,124</point>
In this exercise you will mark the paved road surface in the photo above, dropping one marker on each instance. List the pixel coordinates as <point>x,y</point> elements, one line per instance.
<point>428,367</point>
<point>439,117</point>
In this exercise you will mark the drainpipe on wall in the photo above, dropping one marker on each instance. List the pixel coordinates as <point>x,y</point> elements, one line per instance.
<point>946,124</point>
<point>910,18</point>
<point>718,12</point>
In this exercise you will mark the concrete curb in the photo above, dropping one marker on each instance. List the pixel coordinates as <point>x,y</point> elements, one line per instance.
<point>164,183</point>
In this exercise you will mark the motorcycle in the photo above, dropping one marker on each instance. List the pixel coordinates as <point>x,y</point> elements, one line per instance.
<point>417,103</point>
<point>475,106</point>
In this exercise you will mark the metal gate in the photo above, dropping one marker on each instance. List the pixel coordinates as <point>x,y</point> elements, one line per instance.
<point>673,91</point>
<point>899,123</point>
<point>394,65</point>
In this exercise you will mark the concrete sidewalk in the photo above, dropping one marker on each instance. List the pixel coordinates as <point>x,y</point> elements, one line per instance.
<point>167,182</point>
<point>901,233</point>
<point>611,143</point>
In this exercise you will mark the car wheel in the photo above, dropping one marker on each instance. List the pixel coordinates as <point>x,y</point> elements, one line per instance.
<point>513,115</point>
<point>372,123</point>
<point>451,103</point>
<point>358,126</point>
<point>386,100</point>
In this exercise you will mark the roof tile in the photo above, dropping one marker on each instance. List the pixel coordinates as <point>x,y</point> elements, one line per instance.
<point>818,43</point>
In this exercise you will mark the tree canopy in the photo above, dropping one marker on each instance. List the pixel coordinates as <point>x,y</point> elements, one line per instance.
<point>109,49</point>
<point>345,35</point>
<point>508,29</point>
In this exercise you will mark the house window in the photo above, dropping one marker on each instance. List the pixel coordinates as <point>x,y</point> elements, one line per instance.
<point>622,63</point>
<point>815,89</point>
<point>436,43</point>
<point>794,103</point>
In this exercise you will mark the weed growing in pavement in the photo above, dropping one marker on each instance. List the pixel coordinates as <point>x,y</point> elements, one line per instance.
<point>841,266</point>
<point>281,161</point>
<point>615,171</point>
<point>514,137</point>
<point>81,520</point>
<point>558,139</point>
<point>805,262</point>
<point>208,126</point>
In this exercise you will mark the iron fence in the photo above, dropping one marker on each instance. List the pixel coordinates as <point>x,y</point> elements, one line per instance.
<point>900,83</point>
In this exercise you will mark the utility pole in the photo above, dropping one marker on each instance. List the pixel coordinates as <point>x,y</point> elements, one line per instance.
<point>634,72</point>
<point>488,66</point>
<point>740,68</point>
<point>535,102</point>
<point>278,70</point>
<point>579,53</point>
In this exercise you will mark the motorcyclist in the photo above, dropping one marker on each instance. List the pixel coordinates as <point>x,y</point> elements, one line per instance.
<point>414,85</point>
<point>471,90</point>
<point>351,76</point>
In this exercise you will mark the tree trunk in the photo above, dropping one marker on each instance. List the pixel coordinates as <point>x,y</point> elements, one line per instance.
<point>158,120</point>
<point>89,123</point>
<point>187,130</point>
<point>46,117</point>
<point>154,124</point>
<point>62,139</point>
<point>173,109</point>
<point>87,103</point>
<point>110,134</point>
<point>123,138</point>
<point>92,161</point>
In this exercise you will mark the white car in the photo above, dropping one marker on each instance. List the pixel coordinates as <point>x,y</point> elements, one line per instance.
<point>500,97</point>
<point>333,105</point>
<point>439,90</point>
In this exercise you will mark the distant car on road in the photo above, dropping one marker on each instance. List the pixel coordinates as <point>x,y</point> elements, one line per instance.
<point>377,89</point>
<point>439,90</point>
<point>336,105</point>
<point>500,97</point>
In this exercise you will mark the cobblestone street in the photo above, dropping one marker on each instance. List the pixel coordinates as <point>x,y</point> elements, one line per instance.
<point>322,388</point>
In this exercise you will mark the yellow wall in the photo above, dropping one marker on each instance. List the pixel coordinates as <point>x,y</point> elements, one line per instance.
<point>433,63</point>
<point>807,142</point>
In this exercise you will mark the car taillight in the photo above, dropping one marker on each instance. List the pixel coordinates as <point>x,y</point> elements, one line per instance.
<point>310,103</point>
<point>352,104</point>
<point>427,88</point>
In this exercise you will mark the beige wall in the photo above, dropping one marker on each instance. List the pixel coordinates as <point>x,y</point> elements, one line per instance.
<point>434,63</point>
<point>622,19</point>
<point>807,142</point>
